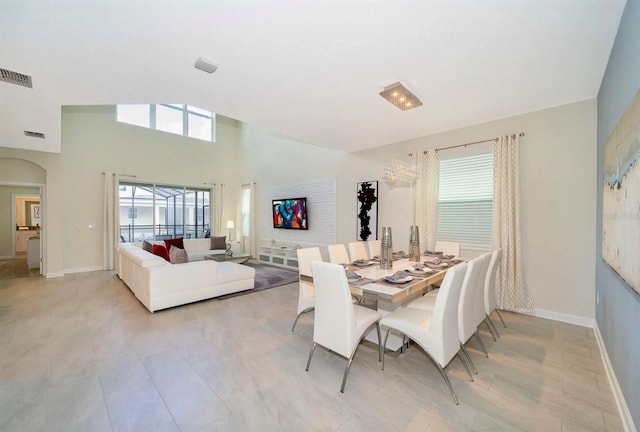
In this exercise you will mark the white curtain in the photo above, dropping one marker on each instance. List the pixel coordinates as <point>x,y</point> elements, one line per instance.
<point>111,227</point>
<point>426,198</point>
<point>217,225</point>
<point>248,242</point>
<point>511,292</point>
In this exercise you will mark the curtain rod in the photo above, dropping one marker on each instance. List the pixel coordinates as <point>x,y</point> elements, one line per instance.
<point>210,184</point>
<point>475,142</point>
<point>122,175</point>
<point>248,184</point>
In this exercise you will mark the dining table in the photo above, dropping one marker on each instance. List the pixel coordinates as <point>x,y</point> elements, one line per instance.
<point>378,289</point>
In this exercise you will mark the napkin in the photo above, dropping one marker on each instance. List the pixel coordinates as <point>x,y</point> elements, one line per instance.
<point>398,275</point>
<point>432,253</point>
<point>361,262</point>
<point>418,267</point>
<point>352,275</point>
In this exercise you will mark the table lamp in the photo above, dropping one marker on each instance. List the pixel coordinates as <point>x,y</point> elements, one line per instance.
<point>230,226</point>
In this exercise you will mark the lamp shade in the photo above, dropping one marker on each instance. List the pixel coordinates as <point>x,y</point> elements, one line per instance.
<point>230,224</point>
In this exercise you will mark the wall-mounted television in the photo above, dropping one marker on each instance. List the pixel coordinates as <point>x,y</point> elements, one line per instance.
<point>290,213</point>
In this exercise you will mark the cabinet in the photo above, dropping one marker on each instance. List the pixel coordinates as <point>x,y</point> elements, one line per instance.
<point>33,253</point>
<point>280,256</point>
<point>22,237</point>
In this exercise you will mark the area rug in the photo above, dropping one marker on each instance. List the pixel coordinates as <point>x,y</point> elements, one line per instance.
<point>266,277</point>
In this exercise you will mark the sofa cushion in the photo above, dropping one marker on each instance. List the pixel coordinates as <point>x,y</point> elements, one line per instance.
<point>219,242</point>
<point>147,246</point>
<point>161,251</point>
<point>178,256</point>
<point>177,242</point>
<point>229,272</point>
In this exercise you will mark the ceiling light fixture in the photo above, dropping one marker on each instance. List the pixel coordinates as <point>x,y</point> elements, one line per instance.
<point>205,65</point>
<point>400,96</point>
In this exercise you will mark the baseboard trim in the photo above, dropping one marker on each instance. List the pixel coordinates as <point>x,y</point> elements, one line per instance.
<point>54,274</point>
<point>83,269</point>
<point>570,319</point>
<point>621,403</point>
<point>7,257</point>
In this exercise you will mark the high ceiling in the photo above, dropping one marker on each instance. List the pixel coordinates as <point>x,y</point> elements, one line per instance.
<point>309,70</point>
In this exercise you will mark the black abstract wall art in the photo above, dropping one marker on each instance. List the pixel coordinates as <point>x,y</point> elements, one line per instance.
<point>367,220</point>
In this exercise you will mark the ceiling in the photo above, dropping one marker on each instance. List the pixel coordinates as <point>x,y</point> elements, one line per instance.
<point>309,70</point>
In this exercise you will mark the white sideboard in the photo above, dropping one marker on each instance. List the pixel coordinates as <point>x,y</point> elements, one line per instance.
<point>280,256</point>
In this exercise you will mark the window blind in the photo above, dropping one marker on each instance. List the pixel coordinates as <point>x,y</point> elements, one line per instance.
<point>465,202</point>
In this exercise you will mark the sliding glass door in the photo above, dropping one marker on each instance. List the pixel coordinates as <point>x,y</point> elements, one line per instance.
<point>157,212</point>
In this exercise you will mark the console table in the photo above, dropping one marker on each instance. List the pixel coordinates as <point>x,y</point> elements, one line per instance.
<point>280,256</point>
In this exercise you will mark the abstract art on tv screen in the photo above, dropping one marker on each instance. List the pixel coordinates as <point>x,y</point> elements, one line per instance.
<point>367,221</point>
<point>290,213</point>
<point>621,197</point>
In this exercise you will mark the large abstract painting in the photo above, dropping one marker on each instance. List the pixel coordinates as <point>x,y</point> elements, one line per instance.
<point>367,221</point>
<point>621,198</point>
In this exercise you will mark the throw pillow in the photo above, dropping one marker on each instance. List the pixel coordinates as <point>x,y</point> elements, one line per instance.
<point>219,242</point>
<point>161,251</point>
<point>147,246</point>
<point>177,242</point>
<point>178,256</point>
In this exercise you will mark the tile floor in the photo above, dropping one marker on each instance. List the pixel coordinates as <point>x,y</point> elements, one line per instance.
<point>80,353</point>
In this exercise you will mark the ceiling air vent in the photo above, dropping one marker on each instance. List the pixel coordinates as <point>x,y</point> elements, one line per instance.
<point>34,134</point>
<point>15,78</point>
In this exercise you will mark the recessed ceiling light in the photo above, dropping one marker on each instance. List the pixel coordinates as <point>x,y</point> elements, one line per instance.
<point>205,65</point>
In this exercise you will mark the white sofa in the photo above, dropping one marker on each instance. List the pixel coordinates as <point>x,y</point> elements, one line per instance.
<point>198,248</point>
<point>159,284</point>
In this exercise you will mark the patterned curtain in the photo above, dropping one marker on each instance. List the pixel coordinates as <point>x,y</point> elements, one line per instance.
<point>511,292</point>
<point>426,193</point>
<point>111,226</point>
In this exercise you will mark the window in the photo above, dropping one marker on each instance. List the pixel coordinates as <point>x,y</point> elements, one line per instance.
<point>465,201</point>
<point>178,119</point>
<point>153,212</point>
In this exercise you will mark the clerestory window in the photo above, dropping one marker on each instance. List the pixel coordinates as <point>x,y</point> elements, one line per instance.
<point>180,119</point>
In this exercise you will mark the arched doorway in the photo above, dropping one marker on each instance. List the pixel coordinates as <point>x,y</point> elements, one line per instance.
<point>22,245</point>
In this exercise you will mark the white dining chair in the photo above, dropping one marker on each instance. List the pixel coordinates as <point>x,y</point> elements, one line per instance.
<point>339,325</point>
<point>338,254</point>
<point>468,307</point>
<point>436,332</point>
<point>490,292</point>
<point>357,251</point>
<point>374,248</point>
<point>448,248</point>
<point>306,296</point>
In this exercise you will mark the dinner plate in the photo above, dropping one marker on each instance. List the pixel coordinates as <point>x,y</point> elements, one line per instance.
<point>420,272</point>
<point>353,279</point>
<point>398,281</point>
<point>433,265</point>
<point>362,264</point>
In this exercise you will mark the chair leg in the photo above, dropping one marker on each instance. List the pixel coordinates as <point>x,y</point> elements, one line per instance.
<point>466,366</point>
<point>309,309</point>
<point>477,335</point>
<point>346,371</point>
<point>493,335</point>
<point>313,348</point>
<point>493,326</point>
<point>446,379</point>
<point>379,341</point>
<point>384,347</point>
<point>466,354</point>
<point>498,312</point>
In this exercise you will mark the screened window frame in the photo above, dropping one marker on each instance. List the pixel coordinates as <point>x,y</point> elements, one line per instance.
<point>161,192</point>
<point>470,203</point>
